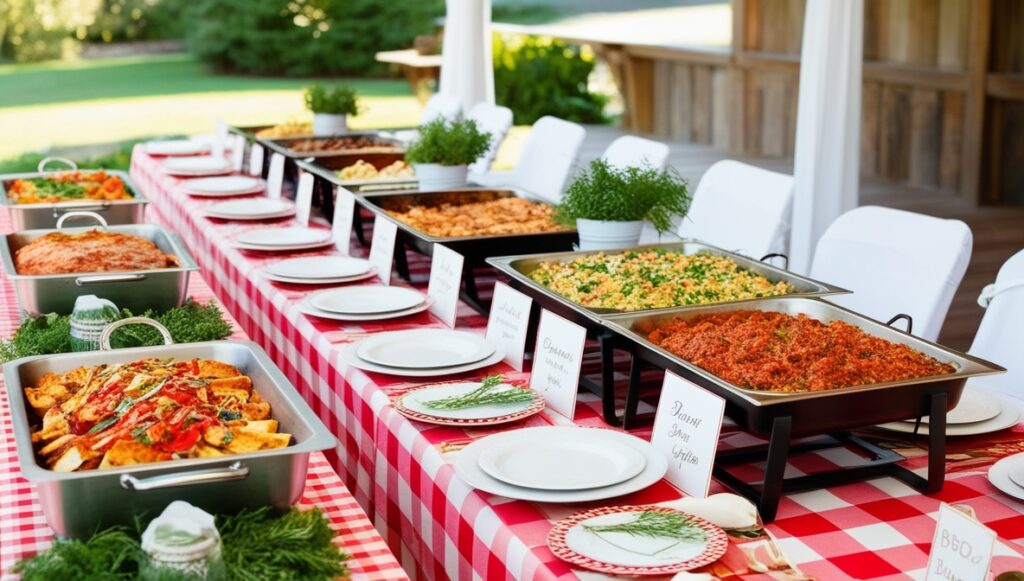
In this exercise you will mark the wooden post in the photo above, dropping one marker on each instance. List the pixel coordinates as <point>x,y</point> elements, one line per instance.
<point>974,106</point>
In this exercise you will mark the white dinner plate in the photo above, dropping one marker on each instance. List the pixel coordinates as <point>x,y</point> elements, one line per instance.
<point>197,166</point>
<point>251,209</point>
<point>1009,415</point>
<point>369,300</point>
<point>209,139</point>
<point>321,281</point>
<point>258,248</point>
<point>176,147</point>
<point>277,237</point>
<point>416,401</point>
<point>1016,474</point>
<point>349,356</point>
<point>467,467</point>
<point>974,406</point>
<point>999,475</point>
<point>224,186</point>
<point>425,349</point>
<point>309,309</point>
<point>319,267</point>
<point>575,460</point>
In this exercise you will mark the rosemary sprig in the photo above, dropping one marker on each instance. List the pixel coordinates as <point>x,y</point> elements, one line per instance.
<point>655,524</point>
<point>486,394</point>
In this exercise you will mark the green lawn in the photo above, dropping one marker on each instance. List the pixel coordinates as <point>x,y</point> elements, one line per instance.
<point>103,101</point>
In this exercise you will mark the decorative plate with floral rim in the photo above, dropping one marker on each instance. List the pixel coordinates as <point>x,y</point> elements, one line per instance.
<point>622,552</point>
<point>409,405</point>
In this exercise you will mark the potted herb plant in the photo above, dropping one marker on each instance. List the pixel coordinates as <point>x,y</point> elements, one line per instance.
<point>331,106</point>
<point>442,153</point>
<point>608,205</point>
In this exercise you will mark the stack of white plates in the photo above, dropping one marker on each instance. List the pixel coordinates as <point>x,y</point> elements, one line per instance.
<point>251,209</point>
<point>197,166</point>
<point>422,353</point>
<point>560,464</point>
<point>978,412</point>
<point>220,187</point>
<point>283,239</point>
<point>173,147</point>
<point>365,303</point>
<point>319,270</point>
<point>1008,475</point>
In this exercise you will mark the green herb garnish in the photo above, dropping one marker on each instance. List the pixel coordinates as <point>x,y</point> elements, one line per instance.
<point>486,394</point>
<point>228,415</point>
<point>104,424</point>
<point>51,334</point>
<point>655,525</point>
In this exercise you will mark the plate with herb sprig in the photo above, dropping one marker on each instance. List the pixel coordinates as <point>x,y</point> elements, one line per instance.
<point>637,540</point>
<point>470,403</point>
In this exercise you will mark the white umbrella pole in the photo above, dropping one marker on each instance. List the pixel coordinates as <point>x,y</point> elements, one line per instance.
<point>827,157</point>
<point>467,72</point>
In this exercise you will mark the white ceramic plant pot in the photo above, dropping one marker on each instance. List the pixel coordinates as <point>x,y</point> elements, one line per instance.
<point>608,235</point>
<point>434,176</point>
<point>329,124</point>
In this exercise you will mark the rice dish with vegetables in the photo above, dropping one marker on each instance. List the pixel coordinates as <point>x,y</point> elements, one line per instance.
<point>653,279</point>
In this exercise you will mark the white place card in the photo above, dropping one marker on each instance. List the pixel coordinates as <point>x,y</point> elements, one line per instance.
<point>220,138</point>
<point>556,362</point>
<point>962,547</point>
<point>344,213</point>
<point>686,428</point>
<point>304,198</point>
<point>508,321</point>
<point>238,153</point>
<point>382,248</point>
<point>256,160</point>
<point>444,284</point>
<point>275,176</point>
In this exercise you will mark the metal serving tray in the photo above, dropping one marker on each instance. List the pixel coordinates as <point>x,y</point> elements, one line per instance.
<point>519,269</point>
<point>138,290</point>
<point>811,412</point>
<point>77,504</point>
<point>283,145</point>
<point>35,216</point>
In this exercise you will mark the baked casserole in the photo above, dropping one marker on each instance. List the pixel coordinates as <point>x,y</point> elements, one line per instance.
<point>491,218</point>
<point>90,251</point>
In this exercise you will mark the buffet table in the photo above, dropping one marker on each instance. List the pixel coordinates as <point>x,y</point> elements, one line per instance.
<point>24,532</point>
<point>399,469</point>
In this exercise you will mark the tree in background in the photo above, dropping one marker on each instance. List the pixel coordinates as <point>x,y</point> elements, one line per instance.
<point>311,37</point>
<point>132,20</point>
<point>34,30</point>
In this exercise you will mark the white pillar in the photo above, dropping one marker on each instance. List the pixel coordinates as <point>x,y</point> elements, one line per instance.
<point>826,161</point>
<point>467,72</point>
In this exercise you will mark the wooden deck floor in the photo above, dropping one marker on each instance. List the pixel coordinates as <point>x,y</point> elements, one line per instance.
<point>998,231</point>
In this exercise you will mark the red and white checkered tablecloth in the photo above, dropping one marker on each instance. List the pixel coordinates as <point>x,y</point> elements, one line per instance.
<point>24,532</point>
<point>399,469</point>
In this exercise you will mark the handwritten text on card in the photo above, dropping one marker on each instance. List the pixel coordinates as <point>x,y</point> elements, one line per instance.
<point>556,362</point>
<point>508,321</point>
<point>686,429</point>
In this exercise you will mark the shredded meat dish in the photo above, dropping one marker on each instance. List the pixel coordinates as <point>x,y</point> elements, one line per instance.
<point>492,218</point>
<point>363,144</point>
<point>92,251</point>
<point>769,351</point>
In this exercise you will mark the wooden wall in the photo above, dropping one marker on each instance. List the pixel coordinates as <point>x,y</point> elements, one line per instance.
<point>942,102</point>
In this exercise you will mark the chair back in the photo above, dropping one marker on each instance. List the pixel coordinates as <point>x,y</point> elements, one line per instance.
<point>1000,337</point>
<point>439,105</point>
<point>630,150</point>
<point>895,262</point>
<point>493,119</point>
<point>548,157</point>
<point>742,208</point>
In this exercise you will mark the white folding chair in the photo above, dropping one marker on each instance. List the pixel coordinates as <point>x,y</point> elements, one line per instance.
<point>742,208</point>
<point>895,262</point>
<point>630,150</point>
<point>1000,337</point>
<point>547,160</point>
<point>439,105</point>
<point>493,119</point>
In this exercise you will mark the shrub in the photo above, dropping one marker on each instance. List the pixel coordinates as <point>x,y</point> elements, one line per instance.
<point>334,100</point>
<point>35,30</point>
<point>132,20</point>
<point>605,192</point>
<point>305,38</point>
<point>540,76</point>
<point>449,143</point>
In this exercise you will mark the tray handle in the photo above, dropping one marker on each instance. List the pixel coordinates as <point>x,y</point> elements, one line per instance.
<point>105,207</point>
<point>100,221</point>
<point>109,330</point>
<point>41,168</point>
<point>233,471</point>
<point>107,278</point>
<point>785,258</point>
<point>905,317</point>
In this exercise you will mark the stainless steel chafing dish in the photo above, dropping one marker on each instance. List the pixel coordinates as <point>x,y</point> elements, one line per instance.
<point>76,504</point>
<point>283,145</point>
<point>818,411</point>
<point>138,290</point>
<point>520,267</point>
<point>36,216</point>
